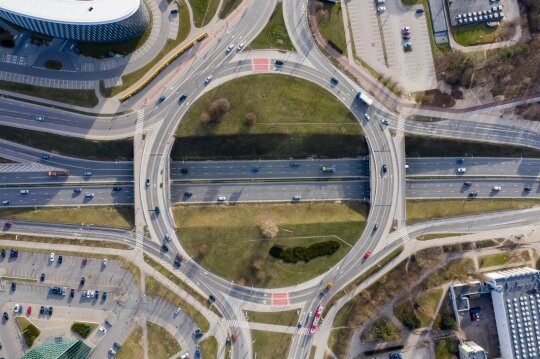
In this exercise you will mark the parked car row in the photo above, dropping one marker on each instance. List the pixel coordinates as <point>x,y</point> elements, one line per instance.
<point>406,36</point>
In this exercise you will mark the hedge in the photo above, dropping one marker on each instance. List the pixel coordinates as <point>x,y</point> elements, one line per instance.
<point>30,334</point>
<point>297,254</point>
<point>83,329</point>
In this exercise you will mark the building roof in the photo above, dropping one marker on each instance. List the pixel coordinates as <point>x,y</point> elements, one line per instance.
<point>471,350</point>
<point>511,273</point>
<point>83,12</point>
<point>60,349</point>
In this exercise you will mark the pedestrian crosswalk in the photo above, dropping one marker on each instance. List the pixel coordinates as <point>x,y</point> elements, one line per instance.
<point>401,124</point>
<point>139,240</point>
<point>139,126</point>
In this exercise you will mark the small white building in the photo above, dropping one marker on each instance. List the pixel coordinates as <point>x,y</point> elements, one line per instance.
<point>471,350</point>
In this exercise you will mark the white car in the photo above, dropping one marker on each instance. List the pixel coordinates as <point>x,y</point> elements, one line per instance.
<point>17,308</point>
<point>385,122</point>
<point>229,48</point>
<point>102,330</point>
<point>87,174</point>
<point>24,191</point>
<point>221,198</point>
<point>297,197</point>
<point>208,79</point>
<point>177,311</point>
<point>496,188</point>
<point>381,9</point>
<point>112,352</point>
<point>104,263</point>
<point>367,117</point>
<point>240,47</point>
<point>6,202</point>
<point>461,170</point>
<point>184,356</point>
<point>88,294</point>
<point>380,1</point>
<point>405,28</point>
<point>51,257</point>
<point>89,195</point>
<point>40,119</point>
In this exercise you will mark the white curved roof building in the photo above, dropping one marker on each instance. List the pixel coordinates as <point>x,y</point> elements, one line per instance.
<point>80,20</point>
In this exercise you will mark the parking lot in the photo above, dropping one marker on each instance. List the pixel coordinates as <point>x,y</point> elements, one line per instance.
<point>484,331</point>
<point>378,34</point>
<point>118,308</point>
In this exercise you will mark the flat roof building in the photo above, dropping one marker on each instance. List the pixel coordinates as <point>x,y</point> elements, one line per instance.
<point>471,350</point>
<point>80,20</point>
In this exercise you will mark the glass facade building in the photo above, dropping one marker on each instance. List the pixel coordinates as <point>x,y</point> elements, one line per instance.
<point>111,31</point>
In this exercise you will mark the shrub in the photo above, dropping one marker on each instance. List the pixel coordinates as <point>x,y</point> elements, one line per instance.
<point>30,334</point>
<point>269,228</point>
<point>204,118</point>
<point>218,108</point>
<point>448,323</point>
<point>83,329</point>
<point>411,321</point>
<point>297,254</point>
<point>250,118</point>
<point>204,250</point>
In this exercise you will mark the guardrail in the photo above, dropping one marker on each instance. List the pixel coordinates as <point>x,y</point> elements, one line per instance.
<point>157,71</point>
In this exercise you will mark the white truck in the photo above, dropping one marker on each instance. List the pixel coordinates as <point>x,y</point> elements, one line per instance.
<point>365,99</point>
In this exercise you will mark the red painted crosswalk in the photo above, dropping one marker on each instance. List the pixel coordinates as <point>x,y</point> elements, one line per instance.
<point>280,298</point>
<point>261,64</point>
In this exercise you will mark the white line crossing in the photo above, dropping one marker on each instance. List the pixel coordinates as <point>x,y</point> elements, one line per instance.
<point>139,126</point>
<point>401,124</point>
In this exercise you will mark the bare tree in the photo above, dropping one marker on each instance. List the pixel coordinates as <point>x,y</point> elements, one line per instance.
<point>204,250</point>
<point>250,118</point>
<point>269,228</point>
<point>204,118</point>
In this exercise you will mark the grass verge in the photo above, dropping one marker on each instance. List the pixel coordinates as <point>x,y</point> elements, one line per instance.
<point>475,34</point>
<point>106,216</point>
<point>331,27</point>
<point>288,318</point>
<point>423,210</point>
<point>425,146</point>
<point>447,348</point>
<point>294,118</point>
<point>133,346</point>
<point>503,258</point>
<point>209,347</point>
<point>424,307</point>
<point>83,98</point>
<point>382,330</point>
<point>156,289</point>
<point>228,7</point>
<point>228,241</point>
<point>270,344</point>
<point>487,243</point>
<point>161,343</point>
<point>68,241</point>
<point>29,331</point>
<point>274,35</point>
<point>203,11</point>
<point>84,329</point>
<point>427,237</point>
<point>161,269</point>
<point>129,79</point>
<point>121,150</point>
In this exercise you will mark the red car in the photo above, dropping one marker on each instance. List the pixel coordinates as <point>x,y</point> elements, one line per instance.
<point>84,261</point>
<point>406,32</point>
<point>8,224</point>
<point>367,254</point>
<point>29,310</point>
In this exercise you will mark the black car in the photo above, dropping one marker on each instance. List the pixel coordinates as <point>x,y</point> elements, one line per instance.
<point>182,98</point>
<point>278,62</point>
<point>104,297</point>
<point>97,294</point>
<point>164,248</point>
<point>42,310</point>
<point>461,160</point>
<point>13,286</point>
<point>156,211</point>
<point>188,194</point>
<point>473,194</point>
<point>212,298</point>
<point>375,227</point>
<point>72,293</point>
<point>184,171</point>
<point>3,253</point>
<point>83,280</point>
<point>419,11</point>
<point>294,164</point>
<point>467,183</point>
<point>42,277</point>
<point>50,311</point>
<point>117,189</point>
<point>177,260</point>
<point>60,259</point>
<point>77,190</point>
<point>5,317</point>
<point>384,168</point>
<point>527,188</point>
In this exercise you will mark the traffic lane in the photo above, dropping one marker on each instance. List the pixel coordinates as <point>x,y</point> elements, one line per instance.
<point>65,196</point>
<point>273,191</point>
<point>268,169</point>
<point>476,166</point>
<point>456,188</point>
<point>42,177</point>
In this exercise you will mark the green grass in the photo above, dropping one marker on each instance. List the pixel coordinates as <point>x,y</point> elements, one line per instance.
<point>227,240</point>
<point>133,346</point>
<point>209,347</point>
<point>288,318</point>
<point>124,48</point>
<point>425,302</point>
<point>83,328</point>
<point>161,269</point>
<point>295,118</point>
<point>129,79</point>
<point>29,331</point>
<point>161,343</point>
<point>270,344</point>
<point>106,216</point>
<point>491,260</point>
<point>382,330</point>
<point>68,241</point>
<point>411,2</point>
<point>422,210</point>
<point>156,289</point>
<point>83,98</point>
<point>203,11</point>
<point>427,237</point>
<point>475,34</point>
<point>425,146</point>
<point>447,348</point>
<point>228,7</point>
<point>331,27</point>
<point>457,268</point>
<point>487,243</point>
<point>121,150</point>
<point>274,35</point>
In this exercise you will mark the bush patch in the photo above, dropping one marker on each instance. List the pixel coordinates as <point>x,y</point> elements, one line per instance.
<point>297,254</point>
